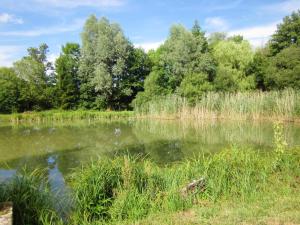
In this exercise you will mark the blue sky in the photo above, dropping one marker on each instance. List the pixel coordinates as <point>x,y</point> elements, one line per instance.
<point>25,23</point>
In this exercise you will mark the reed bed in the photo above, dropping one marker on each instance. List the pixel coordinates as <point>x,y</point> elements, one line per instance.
<point>255,105</point>
<point>61,116</point>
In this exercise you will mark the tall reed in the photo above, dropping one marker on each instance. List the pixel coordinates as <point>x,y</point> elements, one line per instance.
<point>241,105</point>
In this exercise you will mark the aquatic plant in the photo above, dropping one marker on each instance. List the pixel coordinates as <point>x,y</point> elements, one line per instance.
<point>240,105</point>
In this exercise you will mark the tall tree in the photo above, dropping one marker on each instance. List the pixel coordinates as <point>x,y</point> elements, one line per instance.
<point>9,91</point>
<point>88,61</point>
<point>233,59</point>
<point>67,76</point>
<point>185,52</point>
<point>283,70</point>
<point>287,33</point>
<point>37,84</point>
<point>105,69</point>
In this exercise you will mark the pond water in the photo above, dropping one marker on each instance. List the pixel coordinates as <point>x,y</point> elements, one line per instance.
<point>59,148</point>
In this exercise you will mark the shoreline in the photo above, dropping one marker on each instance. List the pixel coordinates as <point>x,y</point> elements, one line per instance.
<point>92,115</point>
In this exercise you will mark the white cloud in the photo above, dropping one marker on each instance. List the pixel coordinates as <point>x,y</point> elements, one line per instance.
<point>216,23</point>
<point>286,6</point>
<point>45,31</point>
<point>9,18</point>
<point>9,54</point>
<point>257,35</point>
<point>148,45</point>
<point>52,58</point>
<point>77,3</point>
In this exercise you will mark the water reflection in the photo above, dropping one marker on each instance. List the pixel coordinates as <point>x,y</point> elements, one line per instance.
<point>59,148</point>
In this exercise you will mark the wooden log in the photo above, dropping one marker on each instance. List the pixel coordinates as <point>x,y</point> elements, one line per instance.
<point>194,186</point>
<point>6,213</point>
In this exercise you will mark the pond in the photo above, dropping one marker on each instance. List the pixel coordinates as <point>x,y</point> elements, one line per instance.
<point>59,148</point>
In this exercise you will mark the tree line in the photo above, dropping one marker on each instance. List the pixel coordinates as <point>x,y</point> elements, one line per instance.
<point>108,72</point>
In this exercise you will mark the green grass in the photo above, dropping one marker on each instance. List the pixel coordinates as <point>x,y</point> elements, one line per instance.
<point>32,200</point>
<point>127,190</point>
<point>61,116</point>
<point>241,105</point>
<point>243,186</point>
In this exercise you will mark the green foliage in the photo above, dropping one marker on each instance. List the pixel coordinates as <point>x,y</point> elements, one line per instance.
<point>257,68</point>
<point>31,197</point>
<point>9,91</point>
<point>215,38</point>
<point>111,71</point>
<point>287,33</point>
<point>194,86</point>
<point>233,59</point>
<point>67,81</point>
<point>284,69</point>
<point>126,189</point>
<point>185,52</point>
<point>36,84</point>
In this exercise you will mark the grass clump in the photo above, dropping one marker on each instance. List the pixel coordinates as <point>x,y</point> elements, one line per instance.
<point>33,202</point>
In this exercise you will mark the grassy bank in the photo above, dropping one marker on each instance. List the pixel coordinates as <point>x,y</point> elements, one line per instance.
<point>241,186</point>
<point>273,105</point>
<point>255,105</point>
<point>58,115</point>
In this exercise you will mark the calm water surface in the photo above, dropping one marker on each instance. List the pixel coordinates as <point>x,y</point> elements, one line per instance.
<point>59,148</point>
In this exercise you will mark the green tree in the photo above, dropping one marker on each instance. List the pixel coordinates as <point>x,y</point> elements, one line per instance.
<point>88,61</point>
<point>139,68</point>
<point>257,68</point>
<point>185,52</point>
<point>9,91</point>
<point>108,68</point>
<point>215,38</point>
<point>283,70</point>
<point>37,86</point>
<point>233,59</point>
<point>67,76</point>
<point>193,86</point>
<point>236,38</point>
<point>287,33</point>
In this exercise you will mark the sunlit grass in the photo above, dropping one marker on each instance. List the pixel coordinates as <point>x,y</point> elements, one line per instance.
<point>61,116</point>
<point>241,105</point>
<point>33,202</point>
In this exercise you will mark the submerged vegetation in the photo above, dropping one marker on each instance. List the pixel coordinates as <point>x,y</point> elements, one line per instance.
<point>126,190</point>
